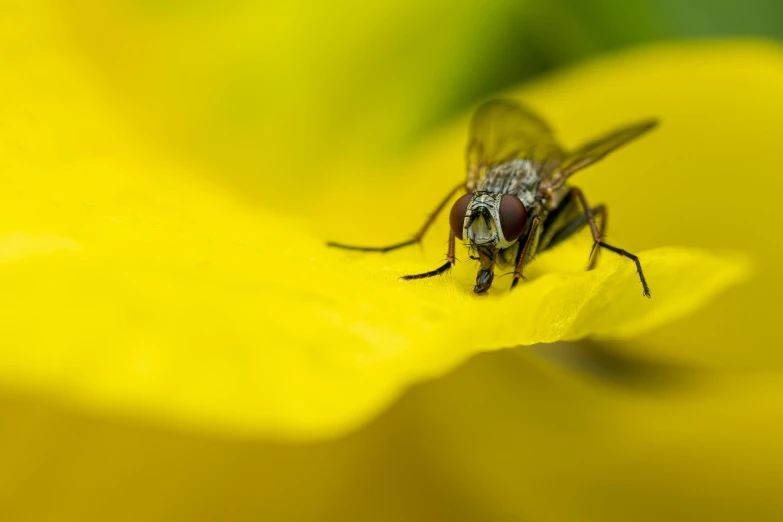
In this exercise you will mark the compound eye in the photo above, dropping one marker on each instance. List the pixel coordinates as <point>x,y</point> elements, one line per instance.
<point>457,214</point>
<point>513,217</point>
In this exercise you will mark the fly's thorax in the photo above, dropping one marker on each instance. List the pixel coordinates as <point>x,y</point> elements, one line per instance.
<point>519,177</point>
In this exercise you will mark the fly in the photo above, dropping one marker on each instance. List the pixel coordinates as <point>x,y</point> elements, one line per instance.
<point>517,202</point>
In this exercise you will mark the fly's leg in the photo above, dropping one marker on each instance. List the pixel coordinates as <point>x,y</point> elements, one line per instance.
<point>441,269</point>
<point>416,239</point>
<point>598,241</point>
<point>575,225</point>
<point>600,215</point>
<point>524,251</point>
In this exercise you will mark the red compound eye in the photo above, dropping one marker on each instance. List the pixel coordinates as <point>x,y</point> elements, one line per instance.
<point>513,217</point>
<point>457,214</point>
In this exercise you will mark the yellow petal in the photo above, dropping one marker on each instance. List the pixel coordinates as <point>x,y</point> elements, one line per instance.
<point>132,284</point>
<point>152,313</point>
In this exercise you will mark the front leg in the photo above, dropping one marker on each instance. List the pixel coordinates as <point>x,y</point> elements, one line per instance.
<point>441,269</point>
<point>525,251</point>
<point>416,239</point>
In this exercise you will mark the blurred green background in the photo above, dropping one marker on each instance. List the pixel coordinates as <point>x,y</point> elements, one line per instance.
<point>525,39</point>
<point>528,38</point>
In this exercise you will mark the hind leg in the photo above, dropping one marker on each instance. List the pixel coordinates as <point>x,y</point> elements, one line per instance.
<point>599,242</point>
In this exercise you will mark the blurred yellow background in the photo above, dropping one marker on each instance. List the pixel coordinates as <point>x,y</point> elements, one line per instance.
<point>279,110</point>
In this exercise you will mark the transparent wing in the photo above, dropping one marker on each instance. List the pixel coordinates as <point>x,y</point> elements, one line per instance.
<point>503,130</point>
<point>595,150</point>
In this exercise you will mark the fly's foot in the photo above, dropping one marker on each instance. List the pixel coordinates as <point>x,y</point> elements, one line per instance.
<point>432,273</point>
<point>517,277</point>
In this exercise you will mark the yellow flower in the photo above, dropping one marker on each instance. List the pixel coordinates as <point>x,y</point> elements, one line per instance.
<point>138,286</point>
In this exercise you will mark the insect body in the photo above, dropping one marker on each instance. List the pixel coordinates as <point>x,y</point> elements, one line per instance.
<point>517,202</point>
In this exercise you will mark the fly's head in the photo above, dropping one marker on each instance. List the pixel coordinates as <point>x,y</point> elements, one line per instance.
<point>489,223</point>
